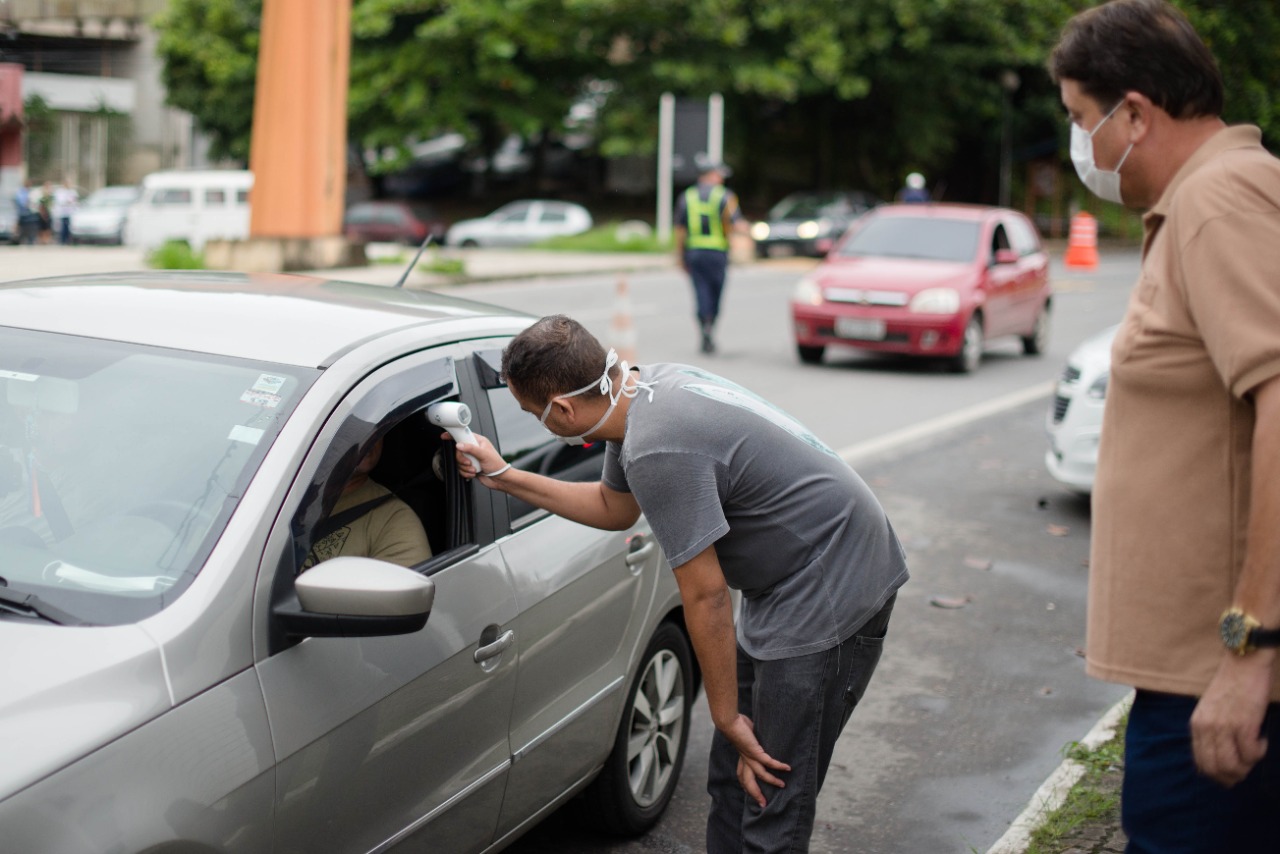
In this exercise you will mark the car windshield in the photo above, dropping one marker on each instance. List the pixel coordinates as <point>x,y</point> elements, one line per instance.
<point>111,197</point>
<point>812,207</point>
<point>926,237</point>
<point>120,464</point>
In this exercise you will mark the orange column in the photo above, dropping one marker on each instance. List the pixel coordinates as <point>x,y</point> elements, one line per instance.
<point>298,149</point>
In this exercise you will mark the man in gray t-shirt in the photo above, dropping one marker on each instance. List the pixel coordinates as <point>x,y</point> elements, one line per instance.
<point>739,495</point>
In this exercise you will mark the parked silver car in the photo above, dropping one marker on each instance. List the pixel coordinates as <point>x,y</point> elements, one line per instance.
<point>521,223</point>
<point>171,447</point>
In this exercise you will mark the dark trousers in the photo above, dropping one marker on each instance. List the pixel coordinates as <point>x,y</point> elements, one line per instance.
<point>707,268</point>
<point>1168,807</point>
<point>799,707</point>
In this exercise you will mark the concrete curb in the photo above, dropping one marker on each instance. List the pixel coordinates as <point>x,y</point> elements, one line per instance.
<point>1053,792</point>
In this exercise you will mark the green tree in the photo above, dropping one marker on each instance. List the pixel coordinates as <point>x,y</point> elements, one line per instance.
<point>210,54</point>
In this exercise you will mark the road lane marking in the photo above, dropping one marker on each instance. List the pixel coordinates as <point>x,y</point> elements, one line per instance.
<point>868,450</point>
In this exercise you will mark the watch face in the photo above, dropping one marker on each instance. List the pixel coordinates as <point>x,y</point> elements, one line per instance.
<point>1234,631</point>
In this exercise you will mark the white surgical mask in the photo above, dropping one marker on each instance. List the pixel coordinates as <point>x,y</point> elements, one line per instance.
<point>605,385</point>
<point>1104,183</point>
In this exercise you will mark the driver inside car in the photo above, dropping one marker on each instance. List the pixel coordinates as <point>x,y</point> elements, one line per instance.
<point>370,521</point>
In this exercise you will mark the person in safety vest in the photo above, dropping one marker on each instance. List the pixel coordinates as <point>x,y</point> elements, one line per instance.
<point>706,214</point>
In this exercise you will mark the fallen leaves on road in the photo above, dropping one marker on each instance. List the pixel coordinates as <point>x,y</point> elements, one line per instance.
<point>1059,530</point>
<point>950,602</point>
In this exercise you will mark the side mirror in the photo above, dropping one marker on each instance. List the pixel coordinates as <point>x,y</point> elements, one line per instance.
<point>1006,256</point>
<point>358,597</point>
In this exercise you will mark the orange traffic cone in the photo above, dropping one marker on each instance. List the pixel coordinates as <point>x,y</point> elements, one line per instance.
<point>622,332</point>
<point>1082,245</point>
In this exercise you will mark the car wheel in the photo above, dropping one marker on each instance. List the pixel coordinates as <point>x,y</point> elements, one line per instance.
<point>810,355</point>
<point>469,243</point>
<point>970,355</point>
<point>641,772</point>
<point>1037,343</point>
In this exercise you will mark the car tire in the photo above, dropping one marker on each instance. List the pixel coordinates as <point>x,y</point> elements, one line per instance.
<point>810,355</point>
<point>970,356</point>
<point>469,243</point>
<point>1037,343</point>
<point>640,775</point>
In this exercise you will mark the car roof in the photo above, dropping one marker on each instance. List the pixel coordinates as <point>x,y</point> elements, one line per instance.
<point>287,319</point>
<point>941,210</point>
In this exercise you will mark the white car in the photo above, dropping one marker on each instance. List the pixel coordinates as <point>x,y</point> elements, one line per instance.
<point>101,217</point>
<point>1075,419</point>
<point>521,223</point>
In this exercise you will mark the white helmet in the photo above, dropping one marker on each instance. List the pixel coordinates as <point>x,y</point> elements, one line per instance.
<point>915,181</point>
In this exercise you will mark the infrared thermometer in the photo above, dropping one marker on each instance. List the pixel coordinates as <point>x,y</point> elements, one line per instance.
<point>454,417</point>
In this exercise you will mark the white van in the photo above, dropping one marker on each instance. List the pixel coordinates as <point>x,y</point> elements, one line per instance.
<point>192,205</point>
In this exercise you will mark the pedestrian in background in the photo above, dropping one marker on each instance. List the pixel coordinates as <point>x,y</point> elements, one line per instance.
<point>28,218</point>
<point>1184,587</point>
<point>44,210</point>
<point>65,201</point>
<point>706,215</point>
<point>729,485</point>
<point>915,189</point>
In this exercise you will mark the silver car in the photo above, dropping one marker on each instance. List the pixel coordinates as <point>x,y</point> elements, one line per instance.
<point>171,446</point>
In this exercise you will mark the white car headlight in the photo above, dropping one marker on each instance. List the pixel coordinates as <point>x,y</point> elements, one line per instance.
<point>1098,388</point>
<point>760,231</point>
<point>936,301</point>
<point>808,230</point>
<point>808,292</point>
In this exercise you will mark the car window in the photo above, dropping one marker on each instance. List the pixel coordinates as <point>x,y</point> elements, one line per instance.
<point>512,213</point>
<point>999,239</point>
<point>1023,236</point>
<point>526,444</point>
<point>120,464</point>
<point>215,197</point>
<point>926,238</point>
<point>388,460</point>
<point>171,196</point>
<point>360,215</point>
<point>554,214</point>
<point>389,216</point>
<point>242,197</point>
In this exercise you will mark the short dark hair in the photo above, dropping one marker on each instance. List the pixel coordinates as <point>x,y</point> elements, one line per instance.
<point>1147,46</point>
<point>554,356</point>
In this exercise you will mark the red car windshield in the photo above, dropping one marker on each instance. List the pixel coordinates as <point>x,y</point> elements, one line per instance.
<point>925,238</point>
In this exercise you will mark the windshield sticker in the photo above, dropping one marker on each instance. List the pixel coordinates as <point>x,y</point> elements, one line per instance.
<point>14,375</point>
<point>261,398</point>
<point>270,383</point>
<point>248,435</point>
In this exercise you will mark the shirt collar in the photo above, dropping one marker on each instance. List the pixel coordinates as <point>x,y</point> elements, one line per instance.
<point>1232,137</point>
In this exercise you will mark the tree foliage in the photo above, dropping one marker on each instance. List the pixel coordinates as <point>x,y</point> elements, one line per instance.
<point>816,92</point>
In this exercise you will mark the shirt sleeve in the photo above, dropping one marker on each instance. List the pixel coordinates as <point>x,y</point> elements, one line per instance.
<point>1232,272</point>
<point>613,476</point>
<point>680,494</point>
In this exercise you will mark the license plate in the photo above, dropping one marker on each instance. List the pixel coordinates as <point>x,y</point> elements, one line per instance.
<point>781,250</point>
<point>861,328</point>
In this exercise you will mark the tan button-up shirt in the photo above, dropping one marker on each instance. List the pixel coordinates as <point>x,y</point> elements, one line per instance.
<point>1171,501</point>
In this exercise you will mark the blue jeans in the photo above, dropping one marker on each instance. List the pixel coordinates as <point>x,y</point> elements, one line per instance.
<point>707,269</point>
<point>799,707</point>
<point>1168,807</point>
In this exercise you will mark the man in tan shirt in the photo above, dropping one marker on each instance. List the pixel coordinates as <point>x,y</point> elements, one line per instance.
<point>389,530</point>
<point>1186,539</point>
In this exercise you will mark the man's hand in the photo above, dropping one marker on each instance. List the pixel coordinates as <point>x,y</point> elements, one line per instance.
<point>1226,725</point>
<point>484,452</point>
<point>753,763</point>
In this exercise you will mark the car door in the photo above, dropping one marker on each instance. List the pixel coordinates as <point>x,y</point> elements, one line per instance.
<point>1032,270</point>
<point>401,742</point>
<point>584,597</point>
<point>1002,305</point>
<point>510,225</point>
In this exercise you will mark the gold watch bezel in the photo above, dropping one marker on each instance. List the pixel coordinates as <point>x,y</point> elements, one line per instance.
<point>1235,627</point>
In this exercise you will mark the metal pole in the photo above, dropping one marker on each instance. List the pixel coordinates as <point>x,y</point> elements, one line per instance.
<point>666,147</point>
<point>715,128</point>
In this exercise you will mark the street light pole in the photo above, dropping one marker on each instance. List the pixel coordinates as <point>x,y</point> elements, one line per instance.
<point>1009,82</point>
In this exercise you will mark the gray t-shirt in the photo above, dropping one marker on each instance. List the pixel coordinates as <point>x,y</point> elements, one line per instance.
<point>794,527</point>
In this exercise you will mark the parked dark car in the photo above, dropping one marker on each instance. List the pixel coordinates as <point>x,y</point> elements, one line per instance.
<point>809,223</point>
<point>928,280</point>
<point>391,222</point>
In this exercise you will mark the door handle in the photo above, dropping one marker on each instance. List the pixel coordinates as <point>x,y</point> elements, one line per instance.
<point>498,647</point>
<point>639,547</point>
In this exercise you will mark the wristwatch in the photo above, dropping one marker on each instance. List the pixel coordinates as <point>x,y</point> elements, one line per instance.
<point>1243,634</point>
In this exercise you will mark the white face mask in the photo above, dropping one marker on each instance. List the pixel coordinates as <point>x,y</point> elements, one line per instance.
<point>605,385</point>
<point>1104,183</point>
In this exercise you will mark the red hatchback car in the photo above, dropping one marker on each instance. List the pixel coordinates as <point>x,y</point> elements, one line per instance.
<point>391,221</point>
<point>936,280</point>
